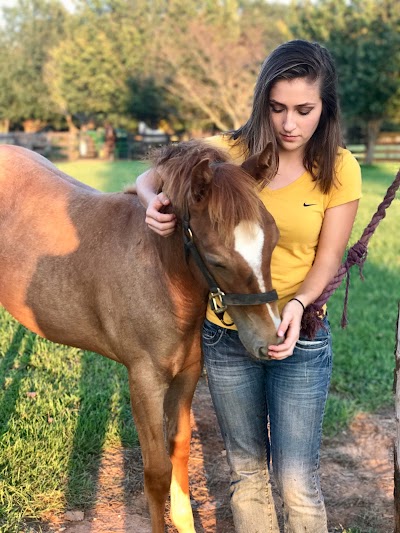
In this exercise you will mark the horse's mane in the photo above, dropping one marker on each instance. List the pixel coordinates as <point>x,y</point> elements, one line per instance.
<point>232,196</point>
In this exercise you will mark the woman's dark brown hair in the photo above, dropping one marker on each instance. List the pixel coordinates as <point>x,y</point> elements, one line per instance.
<point>298,59</point>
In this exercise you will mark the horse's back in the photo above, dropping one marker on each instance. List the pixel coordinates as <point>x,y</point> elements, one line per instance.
<point>17,164</point>
<point>78,266</point>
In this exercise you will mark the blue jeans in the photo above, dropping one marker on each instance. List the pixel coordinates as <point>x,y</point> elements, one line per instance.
<point>271,412</point>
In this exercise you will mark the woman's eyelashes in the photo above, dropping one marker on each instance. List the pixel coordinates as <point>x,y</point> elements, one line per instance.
<point>301,111</point>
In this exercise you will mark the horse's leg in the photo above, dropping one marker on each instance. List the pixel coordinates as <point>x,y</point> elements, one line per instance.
<point>177,408</point>
<point>147,400</point>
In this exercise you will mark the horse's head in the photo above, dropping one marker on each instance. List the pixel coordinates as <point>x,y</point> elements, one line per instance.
<point>235,236</point>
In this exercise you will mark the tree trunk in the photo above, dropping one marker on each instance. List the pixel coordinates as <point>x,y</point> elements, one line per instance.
<point>33,125</point>
<point>4,125</point>
<point>397,441</point>
<point>373,128</point>
<point>71,126</point>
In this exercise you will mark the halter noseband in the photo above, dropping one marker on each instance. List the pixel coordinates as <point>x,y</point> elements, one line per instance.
<point>219,301</point>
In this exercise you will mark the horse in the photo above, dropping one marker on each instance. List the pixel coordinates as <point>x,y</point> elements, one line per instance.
<point>80,267</point>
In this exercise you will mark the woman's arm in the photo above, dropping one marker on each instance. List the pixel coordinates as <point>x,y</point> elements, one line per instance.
<point>335,233</point>
<point>147,185</point>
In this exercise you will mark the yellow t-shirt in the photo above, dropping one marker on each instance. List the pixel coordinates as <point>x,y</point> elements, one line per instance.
<point>298,210</point>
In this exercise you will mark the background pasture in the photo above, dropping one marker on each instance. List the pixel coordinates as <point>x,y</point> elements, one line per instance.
<point>60,408</point>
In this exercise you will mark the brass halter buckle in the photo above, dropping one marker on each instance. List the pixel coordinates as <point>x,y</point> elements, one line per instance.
<point>217,302</point>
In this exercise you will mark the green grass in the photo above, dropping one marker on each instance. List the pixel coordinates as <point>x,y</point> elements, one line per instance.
<point>106,176</point>
<point>364,351</point>
<point>51,442</point>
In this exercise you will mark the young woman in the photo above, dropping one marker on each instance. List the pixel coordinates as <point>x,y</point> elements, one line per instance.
<point>270,412</point>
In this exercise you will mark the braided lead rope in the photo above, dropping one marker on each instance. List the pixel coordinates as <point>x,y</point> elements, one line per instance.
<point>356,255</point>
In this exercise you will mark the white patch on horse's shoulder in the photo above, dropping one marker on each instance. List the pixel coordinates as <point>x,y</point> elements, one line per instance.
<point>249,243</point>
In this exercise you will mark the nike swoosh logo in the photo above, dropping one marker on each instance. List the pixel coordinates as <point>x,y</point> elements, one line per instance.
<point>308,205</point>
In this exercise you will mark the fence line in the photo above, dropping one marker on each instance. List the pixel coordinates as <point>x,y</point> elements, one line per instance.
<point>387,148</point>
<point>65,145</point>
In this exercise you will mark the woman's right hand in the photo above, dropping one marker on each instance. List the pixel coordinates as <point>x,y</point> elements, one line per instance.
<point>162,223</point>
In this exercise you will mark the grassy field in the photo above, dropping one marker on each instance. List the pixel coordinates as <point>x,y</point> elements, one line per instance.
<point>60,407</point>
<point>364,351</point>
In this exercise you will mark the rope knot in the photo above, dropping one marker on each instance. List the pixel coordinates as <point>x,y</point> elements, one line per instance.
<point>357,255</point>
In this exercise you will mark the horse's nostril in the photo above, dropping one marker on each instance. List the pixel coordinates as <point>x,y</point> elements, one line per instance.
<point>263,354</point>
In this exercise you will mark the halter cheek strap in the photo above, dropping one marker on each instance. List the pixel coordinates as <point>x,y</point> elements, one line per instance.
<point>219,301</point>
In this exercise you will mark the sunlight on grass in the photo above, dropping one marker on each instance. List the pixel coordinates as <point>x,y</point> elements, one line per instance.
<point>104,175</point>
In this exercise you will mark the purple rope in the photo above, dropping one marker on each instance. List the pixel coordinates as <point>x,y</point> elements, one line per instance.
<point>356,255</point>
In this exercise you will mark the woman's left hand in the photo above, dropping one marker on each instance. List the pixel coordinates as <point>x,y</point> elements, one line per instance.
<point>290,329</point>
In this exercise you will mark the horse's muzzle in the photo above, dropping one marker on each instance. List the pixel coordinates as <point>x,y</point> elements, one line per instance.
<point>263,352</point>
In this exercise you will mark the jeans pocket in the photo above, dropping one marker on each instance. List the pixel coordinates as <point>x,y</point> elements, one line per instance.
<point>313,350</point>
<point>211,334</point>
<point>312,345</point>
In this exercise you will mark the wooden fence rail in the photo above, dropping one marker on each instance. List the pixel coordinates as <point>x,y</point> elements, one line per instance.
<point>387,148</point>
<point>65,145</point>
<point>89,144</point>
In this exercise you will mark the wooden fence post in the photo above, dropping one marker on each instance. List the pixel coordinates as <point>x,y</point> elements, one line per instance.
<point>397,443</point>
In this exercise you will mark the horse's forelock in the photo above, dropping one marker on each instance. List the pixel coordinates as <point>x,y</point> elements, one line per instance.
<point>233,199</point>
<point>175,163</point>
<point>232,196</point>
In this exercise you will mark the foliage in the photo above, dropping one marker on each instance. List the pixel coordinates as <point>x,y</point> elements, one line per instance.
<point>121,60</point>
<point>85,76</point>
<point>33,27</point>
<point>151,103</point>
<point>364,39</point>
<point>191,61</point>
<point>215,75</point>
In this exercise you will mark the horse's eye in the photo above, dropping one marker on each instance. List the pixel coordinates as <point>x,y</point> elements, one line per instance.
<point>217,264</point>
<point>212,261</point>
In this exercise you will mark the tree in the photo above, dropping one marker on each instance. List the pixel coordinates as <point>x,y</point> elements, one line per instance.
<point>210,60</point>
<point>104,56</point>
<point>364,39</point>
<point>8,111</point>
<point>31,28</point>
<point>85,78</point>
<point>150,103</point>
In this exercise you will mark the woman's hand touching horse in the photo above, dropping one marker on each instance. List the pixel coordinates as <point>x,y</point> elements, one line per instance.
<point>161,223</point>
<point>146,185</point>
<point>290,329</point>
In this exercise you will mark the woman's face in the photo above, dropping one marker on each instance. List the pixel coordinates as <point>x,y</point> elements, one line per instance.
<point>295,107</point>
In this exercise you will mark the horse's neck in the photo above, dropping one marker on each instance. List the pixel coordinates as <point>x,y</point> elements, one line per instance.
<point>179,267</point>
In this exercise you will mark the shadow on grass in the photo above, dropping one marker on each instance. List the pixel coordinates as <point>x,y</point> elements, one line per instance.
<point>98,409</point>
<point>90,432</point>
<point>17,375</point>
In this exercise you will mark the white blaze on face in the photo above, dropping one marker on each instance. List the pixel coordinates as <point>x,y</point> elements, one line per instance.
<point>249,243</point>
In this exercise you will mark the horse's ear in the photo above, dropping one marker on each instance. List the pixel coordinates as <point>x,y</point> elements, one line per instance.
<point>200,180</point>
<point>259,165</point>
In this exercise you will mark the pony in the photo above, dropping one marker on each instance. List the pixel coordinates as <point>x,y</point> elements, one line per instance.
<point>80,267</point>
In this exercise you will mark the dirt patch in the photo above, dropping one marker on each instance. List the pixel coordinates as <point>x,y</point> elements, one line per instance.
<point>357,477</point>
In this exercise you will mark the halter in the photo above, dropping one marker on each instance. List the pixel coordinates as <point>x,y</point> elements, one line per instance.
<point>219,301</point>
